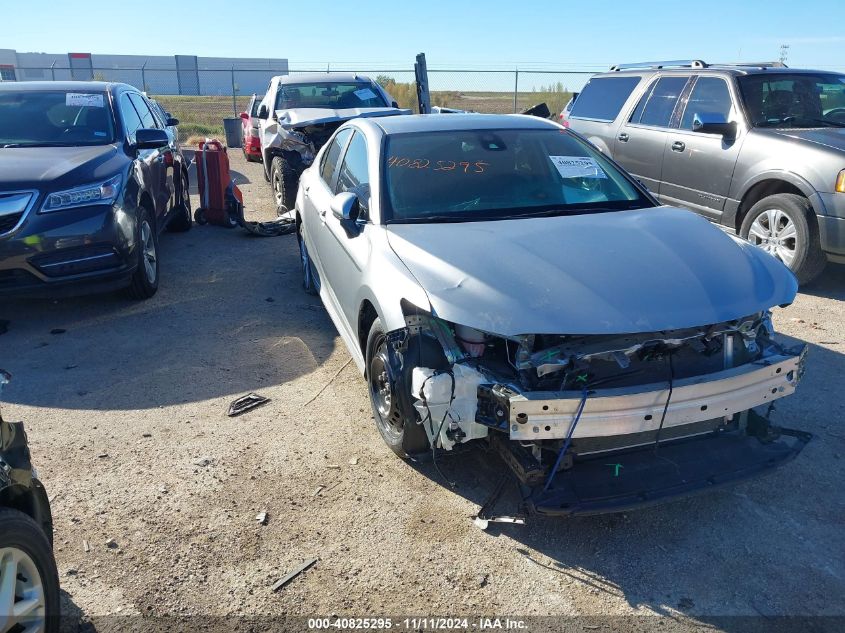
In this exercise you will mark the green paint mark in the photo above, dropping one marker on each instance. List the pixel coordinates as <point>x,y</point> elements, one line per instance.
<point>616,468</point>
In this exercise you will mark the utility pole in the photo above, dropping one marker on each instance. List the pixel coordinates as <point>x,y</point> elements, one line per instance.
<point>784,52</point>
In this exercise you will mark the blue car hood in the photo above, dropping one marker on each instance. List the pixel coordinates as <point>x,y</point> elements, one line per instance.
<point>607,273</point>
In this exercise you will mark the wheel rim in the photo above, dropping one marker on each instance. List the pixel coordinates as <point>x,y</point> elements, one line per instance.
<point>388,419</point>
<point>22,602</point>
<point>186,197</point>
<point>277,188</point>
<point>775,232</point>
<point>306,264</point>
<point>149,251</point>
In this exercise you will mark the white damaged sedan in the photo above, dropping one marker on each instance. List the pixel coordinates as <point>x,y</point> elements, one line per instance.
<point>496,279</point>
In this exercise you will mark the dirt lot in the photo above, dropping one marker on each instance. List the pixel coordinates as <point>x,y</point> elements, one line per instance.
<point>125,411</point>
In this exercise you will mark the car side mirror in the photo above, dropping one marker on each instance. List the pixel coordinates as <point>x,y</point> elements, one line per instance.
<point>151,138</point>
<point>345,206</point>
<point>394,104</point>
<point>263,112</point>
<point>713,123</point>
<point>172,121</point>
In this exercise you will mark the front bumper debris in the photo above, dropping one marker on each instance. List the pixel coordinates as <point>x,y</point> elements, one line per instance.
<point>640,477</point>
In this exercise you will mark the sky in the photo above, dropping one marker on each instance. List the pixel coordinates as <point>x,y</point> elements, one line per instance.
<point>589,34</point>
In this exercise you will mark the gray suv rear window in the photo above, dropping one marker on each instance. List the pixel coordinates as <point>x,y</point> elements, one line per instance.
<point>602,98</point>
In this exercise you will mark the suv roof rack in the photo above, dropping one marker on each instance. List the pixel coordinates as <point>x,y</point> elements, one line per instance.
<point>677,63</point>
<point>754,65</point>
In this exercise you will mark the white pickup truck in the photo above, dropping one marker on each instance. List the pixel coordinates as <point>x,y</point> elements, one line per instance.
<point>300,113</point>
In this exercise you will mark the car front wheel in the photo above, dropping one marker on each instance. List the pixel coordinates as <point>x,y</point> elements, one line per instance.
<point>144,281</point>
<point>782,226</point>
<point>182,219</point>
<point>284,180</point>
<point>29,580</point>
<point>400,431</point>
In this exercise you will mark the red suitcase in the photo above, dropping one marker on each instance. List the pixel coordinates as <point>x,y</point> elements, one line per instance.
<point>212,181</point>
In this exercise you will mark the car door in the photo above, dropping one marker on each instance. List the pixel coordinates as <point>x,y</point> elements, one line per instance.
<point>317,194</point>
<point>159,160</point>
<point>344,254</point>
<point>641,139</point>
<point>698,167</point>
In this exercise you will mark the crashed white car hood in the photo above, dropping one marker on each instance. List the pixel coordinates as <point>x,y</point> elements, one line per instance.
<point>301,117</point>
<point>607,273</point>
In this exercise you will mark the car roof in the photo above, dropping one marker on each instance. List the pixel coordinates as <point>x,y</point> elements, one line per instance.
<point>402,124</point>
<point>300,78</point>
<point>90,86</point>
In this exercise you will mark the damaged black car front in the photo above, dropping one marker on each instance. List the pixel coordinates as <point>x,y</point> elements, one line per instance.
<point>512,286</point>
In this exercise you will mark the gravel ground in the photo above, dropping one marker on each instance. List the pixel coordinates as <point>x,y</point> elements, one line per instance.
<point>125,411</point>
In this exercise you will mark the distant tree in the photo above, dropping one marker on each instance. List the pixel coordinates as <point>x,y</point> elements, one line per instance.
<point>385,80</point>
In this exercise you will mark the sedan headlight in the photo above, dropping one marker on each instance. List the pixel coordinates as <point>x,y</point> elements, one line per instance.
<point>98,193</point>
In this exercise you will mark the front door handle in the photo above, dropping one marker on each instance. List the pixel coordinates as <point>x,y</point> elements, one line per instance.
<point>678,146</point>
<point>623,137</point>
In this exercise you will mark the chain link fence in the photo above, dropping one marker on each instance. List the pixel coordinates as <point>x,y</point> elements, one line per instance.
<point>201,99</point>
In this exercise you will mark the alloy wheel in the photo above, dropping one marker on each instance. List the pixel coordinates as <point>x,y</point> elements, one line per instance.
<point>775,233</point>
<point>22,603</point>
<point>149,251</point>
<point>277,188</point>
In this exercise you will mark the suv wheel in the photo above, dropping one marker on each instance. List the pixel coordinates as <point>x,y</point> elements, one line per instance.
<point>29,580</point>
<point>182,219</point>
<point>284,181</point>
<point>781,225</point>
<point>144,281</point>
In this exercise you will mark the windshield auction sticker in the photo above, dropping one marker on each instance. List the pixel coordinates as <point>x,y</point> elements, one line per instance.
<point>365,94</point>
<point>79,99</point>
<point>577,167</point>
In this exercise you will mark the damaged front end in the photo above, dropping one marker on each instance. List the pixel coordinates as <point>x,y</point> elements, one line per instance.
<point>604,423</point>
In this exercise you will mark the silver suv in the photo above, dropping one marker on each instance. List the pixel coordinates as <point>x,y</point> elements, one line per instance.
<point>757,148</point>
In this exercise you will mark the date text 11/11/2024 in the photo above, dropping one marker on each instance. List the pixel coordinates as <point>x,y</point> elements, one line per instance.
<point>417,624</point>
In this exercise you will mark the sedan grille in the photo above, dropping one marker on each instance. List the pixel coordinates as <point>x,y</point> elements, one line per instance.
<point>13,206</point>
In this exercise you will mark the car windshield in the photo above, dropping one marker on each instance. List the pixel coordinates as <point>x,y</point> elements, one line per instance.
<point>794,100</point>
<point>30,118</point>
<point>468,175</point>
<point>329,95</point>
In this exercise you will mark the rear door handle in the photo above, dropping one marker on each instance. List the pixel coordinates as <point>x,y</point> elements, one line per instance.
<point>623,137</point>
<point>678,146</point>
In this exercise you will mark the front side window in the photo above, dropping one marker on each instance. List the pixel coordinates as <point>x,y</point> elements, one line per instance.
<point>332,155</point>
<point>602,98</point>
<point>329,95</point>
<point>710,95</point>
<point>657,110</point>
<point>354,175</point>
<point>30,118</point>
<point>794,100</point>
<point>471,175</point>
<point>130,117</point>
<point>148,120</point>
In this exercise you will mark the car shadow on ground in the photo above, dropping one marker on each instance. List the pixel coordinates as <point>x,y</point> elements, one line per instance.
<point>830,284</point>
<point>709,557</point>
<point>229,317</point>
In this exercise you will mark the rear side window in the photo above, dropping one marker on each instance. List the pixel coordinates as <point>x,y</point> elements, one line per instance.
<point>661,102</point>
<point>603,98</point>
<point>147,118</point>
<point>710,95</point>
<point>332,155</point>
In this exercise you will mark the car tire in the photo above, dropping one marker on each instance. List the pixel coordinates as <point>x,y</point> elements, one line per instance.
<point>283,180</point>
<point>144,282</point>
<point>783,226</point>
<point>36,576</point>
<point>310,278</point>
<point>182,219</point>
<point>400,432</point>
